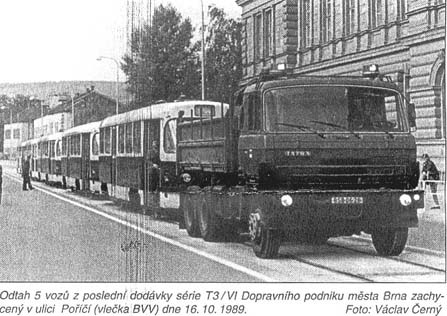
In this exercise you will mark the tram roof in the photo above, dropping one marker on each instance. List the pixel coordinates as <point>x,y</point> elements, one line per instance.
<point>81,129</point>
<point>158,111</point>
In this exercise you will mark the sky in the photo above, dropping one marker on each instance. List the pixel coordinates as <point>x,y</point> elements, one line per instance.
<point>60,40</point>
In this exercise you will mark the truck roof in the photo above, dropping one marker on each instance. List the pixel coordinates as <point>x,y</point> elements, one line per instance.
<point>320,80</point>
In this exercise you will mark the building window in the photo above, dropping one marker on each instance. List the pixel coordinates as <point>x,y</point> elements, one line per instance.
<point>377,13</point>
<point>306,18</point>
<point>16,133</point>
<point>327,20</point>
<point>258,38</point>
<point>403,9</point>
<point>7,134</point>
<point>268,34</point>
<point>350,16</point>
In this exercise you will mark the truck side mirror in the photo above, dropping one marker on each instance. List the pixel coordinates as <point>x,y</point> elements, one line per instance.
<point>412,116</point>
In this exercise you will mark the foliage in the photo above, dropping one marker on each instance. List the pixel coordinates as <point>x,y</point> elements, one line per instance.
<point>161,58</point>
<point>223,56</point>
<point>19,108</point>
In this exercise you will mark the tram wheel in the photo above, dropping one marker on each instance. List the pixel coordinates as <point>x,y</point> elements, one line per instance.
<point>390,241</point>
<point>189,215</point>
<point>208,221</point>
<point>265,241</point>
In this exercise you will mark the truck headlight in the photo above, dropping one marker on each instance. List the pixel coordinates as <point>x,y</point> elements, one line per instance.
<point>405,199</point>
<point>286,200</point>
<point>186,177</point>
<point>416,197</point>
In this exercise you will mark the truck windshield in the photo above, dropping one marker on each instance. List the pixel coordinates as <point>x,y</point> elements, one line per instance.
<point>334,108</point>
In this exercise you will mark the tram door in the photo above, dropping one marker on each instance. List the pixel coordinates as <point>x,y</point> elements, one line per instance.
<point>114,171</point>
<point>151,136</point>
<point>85,161</point>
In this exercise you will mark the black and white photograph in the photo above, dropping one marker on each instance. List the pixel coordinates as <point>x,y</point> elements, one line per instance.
<point>223,157</point>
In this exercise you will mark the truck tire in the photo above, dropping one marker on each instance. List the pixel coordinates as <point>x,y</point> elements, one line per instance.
<point>390,241</point>
<point>265,240</point>
<point>189,215</point>
<point>208,221</point>
<point>267,246</point>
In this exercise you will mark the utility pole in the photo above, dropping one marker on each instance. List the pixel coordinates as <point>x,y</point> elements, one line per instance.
<point>203,52</point>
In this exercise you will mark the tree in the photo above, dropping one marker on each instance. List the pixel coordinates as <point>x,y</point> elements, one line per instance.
<point>161,63</point>
<point>223,56</point>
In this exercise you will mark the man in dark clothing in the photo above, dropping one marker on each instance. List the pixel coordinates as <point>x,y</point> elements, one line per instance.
<point>430,173</point>
<point>26,174</point>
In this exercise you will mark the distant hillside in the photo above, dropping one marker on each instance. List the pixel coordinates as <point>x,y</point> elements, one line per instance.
<point>42,90</point>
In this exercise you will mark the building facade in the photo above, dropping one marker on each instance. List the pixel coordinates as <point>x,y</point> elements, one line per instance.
<point>50,124</point>
<point>406,38</point>
<point>14,135</point>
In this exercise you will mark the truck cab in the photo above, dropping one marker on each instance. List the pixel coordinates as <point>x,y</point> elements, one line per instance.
<point>325,132</point>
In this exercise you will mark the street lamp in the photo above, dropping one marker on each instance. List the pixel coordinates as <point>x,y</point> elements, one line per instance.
<point>203,52</point>
<point>117,77</point>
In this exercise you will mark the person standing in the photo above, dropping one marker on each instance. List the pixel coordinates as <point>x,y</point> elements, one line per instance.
<point>431,174</point>
<point>26,174</point>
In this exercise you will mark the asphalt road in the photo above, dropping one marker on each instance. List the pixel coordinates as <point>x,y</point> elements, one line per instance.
<point>51,234</point>
<point>43,238</point>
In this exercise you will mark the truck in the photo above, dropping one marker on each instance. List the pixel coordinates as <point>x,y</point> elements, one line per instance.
<point>303,159</point>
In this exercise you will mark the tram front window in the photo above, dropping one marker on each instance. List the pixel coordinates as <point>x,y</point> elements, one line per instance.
<point>333,108</point>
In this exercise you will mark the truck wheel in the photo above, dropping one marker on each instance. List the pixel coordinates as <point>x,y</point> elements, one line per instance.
<point>265,241</point>
<point>390,241</point>
<point>208,221</point>
<point>189,216</point>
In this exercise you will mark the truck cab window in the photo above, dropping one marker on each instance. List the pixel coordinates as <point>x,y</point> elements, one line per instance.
<point>251,113</point>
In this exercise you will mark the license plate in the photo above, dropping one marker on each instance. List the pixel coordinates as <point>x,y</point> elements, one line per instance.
<point>347,200</point>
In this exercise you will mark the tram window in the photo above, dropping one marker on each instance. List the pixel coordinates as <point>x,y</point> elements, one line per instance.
<point>107,140</point>
<point>75,149</point>
<point>121,134</point>
<point>95,144</point>
<point>101,142</point>
<point>52,149</point>
<point>58,148</point>
<point>137,137</point>
<point>207,110</point>
<point>169,144</point>
<point>128,138</point>
<point>64,146</point>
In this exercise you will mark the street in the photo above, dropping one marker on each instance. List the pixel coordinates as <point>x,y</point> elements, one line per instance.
<point>50,234</point>
<point>46,239</point>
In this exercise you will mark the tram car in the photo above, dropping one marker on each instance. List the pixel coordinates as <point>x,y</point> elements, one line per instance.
<point>79,157</point>
<point>29,148</point>
<point>50,158</point>
<point>129,141</point>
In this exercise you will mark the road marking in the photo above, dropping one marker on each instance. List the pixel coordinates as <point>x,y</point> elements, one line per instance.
<point>211,257</point>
